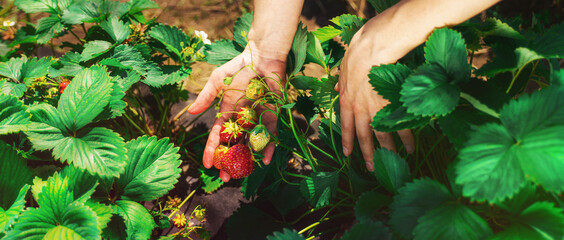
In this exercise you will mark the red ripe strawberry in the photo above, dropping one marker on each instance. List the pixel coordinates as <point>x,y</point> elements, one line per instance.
<point>219,156</point>
<point>246,117</point>
<point>63,85</point>
<point>239,161</point>
<point>259,138</point>
<point>230,133</point>
<point>255,89</point>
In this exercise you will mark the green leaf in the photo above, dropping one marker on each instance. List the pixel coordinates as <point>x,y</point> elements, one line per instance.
<point>222,51</point>
<point>25,70</point>
<point>393,118</point>
<point>71,65</point>
<point>174,39</point>
<point>541,220</point>
<point>81,182</point>
<point>298,53</point>
<point>452,221</point>
<point>243,224</point>
<point>117,105</point>
<point>286,198</point>
<point>9,88</point>
<point>413,201</point>
<point>241,29</point>
<point>93,49</point>
<point>381,5</point>
<point>499,158</point>
<point>446,48</point>
<point>458,125</point>
<point>141,5</point>
<point>428,92</point>
<point>315,51</point>
<point>349,25</point>
<point>303,82</point>
<point>489,169</point>
<point>319,188</point>
<point>326,33</point>
<point>56,208</point>
<point>62,232</point>
<point>104,213</point>
<point>369,204</point>
<point>14,116</point>
<point>14,175</point>
<point>323,92</point>
<point>98,150</point>
<point>85,97</point>
<point>367,230</point>
<point>286,234</point>
<point>77,218</point>
<point>82,12</point>
<point>139,223</point>
<point>387,79</point>
<point>390,169</point>
<point>210,180</point>
<point>8,216</point>
<point>47,28</point>
<point>152,169</point>
<point>117,29</point>
<point>495,27</point>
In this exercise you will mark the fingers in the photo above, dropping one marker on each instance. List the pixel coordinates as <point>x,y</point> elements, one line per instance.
<point>347,126</point>
<point>366,142</point>
<point>208,94</point>
<point>225,177</point>
<point>407,140</point>
<point>268,153</point>
<point>212,143</point>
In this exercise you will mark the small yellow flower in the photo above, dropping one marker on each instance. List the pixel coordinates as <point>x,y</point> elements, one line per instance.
<point>8,23</point>
<point>179,220</point>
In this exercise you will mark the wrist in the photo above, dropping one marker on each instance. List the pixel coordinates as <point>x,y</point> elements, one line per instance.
<point>266,49</point>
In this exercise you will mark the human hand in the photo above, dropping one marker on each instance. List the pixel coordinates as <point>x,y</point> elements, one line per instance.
<point>359,102</point>
<point>269,67</point>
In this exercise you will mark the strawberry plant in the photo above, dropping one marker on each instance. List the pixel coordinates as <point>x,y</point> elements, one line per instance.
<point>488,151</point>
<point>84,147</point>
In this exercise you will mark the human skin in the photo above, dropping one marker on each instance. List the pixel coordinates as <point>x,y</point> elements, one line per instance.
<point>269,42</point>
<point>382,40</point>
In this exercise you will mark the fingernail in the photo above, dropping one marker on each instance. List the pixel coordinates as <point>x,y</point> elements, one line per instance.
<point>370,166</point>
<point>346,151</point>
<point>409,148</point>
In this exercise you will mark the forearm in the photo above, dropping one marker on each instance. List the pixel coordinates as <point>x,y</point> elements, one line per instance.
<point>274,25</point>
<point>410,22</point>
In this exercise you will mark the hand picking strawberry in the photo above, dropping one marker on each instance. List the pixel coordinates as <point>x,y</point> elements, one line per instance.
<point>237,161</point>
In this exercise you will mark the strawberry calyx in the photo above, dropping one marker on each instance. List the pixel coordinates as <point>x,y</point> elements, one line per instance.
<point>230,132</point>
<point>246,117</point>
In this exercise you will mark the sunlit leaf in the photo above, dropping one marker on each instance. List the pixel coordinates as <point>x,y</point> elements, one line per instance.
<point>151,171</point>
<point>10,88</point>
<point>446,48</point>
<point>210,180</point>
<point>139,223</point>
<point>221,51</point>
<point>326,33</point>
<point>95,48</point>
<point>117,29</point>
<point>241,29</point>
<point>498,159</point>
<point>174,39</point>
<point>349,25</point>
<point>14,116</point>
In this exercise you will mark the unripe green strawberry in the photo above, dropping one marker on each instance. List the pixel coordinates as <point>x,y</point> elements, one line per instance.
<point>255,89</point>
<point>239,161</point>
<point>259,138</point>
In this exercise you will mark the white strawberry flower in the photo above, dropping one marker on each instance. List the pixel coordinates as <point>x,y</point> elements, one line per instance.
<point>202,35</point>
<point>8,23</point>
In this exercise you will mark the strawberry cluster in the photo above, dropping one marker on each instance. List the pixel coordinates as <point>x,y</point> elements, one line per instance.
<point>233,156</point>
